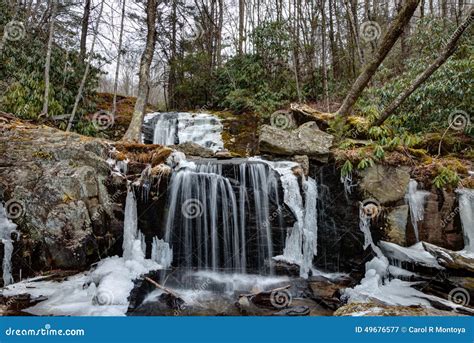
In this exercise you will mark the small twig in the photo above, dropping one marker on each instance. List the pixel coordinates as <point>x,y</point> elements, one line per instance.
<point>157,285</point>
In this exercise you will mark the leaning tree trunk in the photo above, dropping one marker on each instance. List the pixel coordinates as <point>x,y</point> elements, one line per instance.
<point>394,31</point>
<point>448,50</point>
<point>86,71</point>
<point>134,130</point>
<point>47,64</point>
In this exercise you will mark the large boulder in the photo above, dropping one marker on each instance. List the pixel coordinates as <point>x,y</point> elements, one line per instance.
<point>59,181</point>
<point>307,139</point>
<point>386,184</point>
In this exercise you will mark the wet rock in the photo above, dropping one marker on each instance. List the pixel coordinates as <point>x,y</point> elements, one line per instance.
<point>307,139</point>
<point>397,219</point>
<point>294,311</point>
<point>385,184</point>
<point>303,161</point>
<point>194,149</point>
<point>440,225</point>
<point>451,259</point>
<point>224,154</point>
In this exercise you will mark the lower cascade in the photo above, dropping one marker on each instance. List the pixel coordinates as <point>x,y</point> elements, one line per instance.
<point>229,215</point>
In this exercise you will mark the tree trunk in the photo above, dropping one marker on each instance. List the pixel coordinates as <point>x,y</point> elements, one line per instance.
<point>241,25</point>
<point>134,130</point>
<point>172,61</point>
<point>47,65</point>
<point>86,72</point>
<point>394,31</point>
<point>323,47</point>
<point>117,69</point>
<point>449,49</point>
<point>85,29</point>
<point>352,21</point>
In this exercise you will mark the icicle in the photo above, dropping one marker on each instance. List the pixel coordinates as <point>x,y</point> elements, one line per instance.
<point>466,212</point>
<point>161,253</point>
<point>416,200</point>
<point>130,232</point>
<point>7,227</point>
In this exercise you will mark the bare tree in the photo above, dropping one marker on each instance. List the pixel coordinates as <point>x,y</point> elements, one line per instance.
<point>448,50</point>
<point>86,72</point>
<point>388,41</point>
<point>47,65</point>
<point>134,130</point>
<point>241,25</point>
<point>84,29</point>
<point>117,69</point>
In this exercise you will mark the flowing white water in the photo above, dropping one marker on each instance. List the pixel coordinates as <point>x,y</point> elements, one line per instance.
<point>466,212</point>
<point>7,227</point>
<point>180,127</point>
<point>130,231</point>
<point>416,200</point>
<point>207,221</point>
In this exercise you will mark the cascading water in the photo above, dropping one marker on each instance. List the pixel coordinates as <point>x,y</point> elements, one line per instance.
<point>180,127</point>
<point>6,229</point>
<point>416,200</point>
<point>209,214</point>
<point>466,212</point>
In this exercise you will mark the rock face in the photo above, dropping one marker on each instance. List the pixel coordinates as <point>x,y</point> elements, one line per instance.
<point>397,220</point>
<point>441,225</point>
<point>307,139</point>
<point>384,183</point>
<point>59,181</point>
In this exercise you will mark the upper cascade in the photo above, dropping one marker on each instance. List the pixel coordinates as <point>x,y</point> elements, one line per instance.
<point>173,128</point>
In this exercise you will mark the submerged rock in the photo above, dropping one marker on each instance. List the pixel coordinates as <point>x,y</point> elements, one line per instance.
<point>307,139</point>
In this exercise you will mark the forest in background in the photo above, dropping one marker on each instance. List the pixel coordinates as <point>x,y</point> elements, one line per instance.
<point>59,57</point>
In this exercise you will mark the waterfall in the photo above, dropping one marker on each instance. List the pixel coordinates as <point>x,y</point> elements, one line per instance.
<point>180,127</point>
<point>208,215</point>
<point>7,227</point>
<point>416,200</point>
<point>466,212</point>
